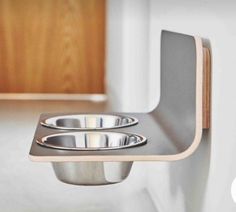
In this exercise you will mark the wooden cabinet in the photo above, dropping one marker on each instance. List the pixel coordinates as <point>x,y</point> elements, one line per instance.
<point>52,46</point>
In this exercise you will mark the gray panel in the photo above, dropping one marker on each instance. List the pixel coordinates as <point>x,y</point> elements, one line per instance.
<point>177,109</point>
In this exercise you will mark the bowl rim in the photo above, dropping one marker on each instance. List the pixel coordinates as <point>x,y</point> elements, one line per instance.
<point>41,141</point>
<point>43,122</point>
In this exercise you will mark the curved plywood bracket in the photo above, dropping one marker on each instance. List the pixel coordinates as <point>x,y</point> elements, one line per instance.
<point>174,128</point>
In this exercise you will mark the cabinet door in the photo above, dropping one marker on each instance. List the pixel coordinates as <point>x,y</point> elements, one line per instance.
<point>52,46</point>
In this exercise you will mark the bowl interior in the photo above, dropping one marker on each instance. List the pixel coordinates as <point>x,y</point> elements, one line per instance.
<point>91,140</point>
<point>89,121</point>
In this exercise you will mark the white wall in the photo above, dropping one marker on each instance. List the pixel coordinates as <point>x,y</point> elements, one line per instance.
<point>127,54</point>
<point>201,182</point>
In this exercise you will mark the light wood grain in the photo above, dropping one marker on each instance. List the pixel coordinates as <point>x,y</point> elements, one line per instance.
<point>206,88</point>
<point>52,46</point>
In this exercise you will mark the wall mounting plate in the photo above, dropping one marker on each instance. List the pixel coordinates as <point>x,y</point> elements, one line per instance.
<point>174,128</point>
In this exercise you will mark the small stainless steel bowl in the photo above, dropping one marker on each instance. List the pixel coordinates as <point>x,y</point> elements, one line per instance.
<point>92,173</point>
<point>89,122</point>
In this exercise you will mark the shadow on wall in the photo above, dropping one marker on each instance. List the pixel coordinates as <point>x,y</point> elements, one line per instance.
<point>181,184</point>
<point>192,183</point>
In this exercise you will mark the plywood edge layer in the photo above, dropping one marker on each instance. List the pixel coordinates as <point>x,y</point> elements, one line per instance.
<point>206,88</point>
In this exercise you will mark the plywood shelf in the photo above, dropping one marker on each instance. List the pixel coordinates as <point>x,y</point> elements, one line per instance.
<point>174,128</point>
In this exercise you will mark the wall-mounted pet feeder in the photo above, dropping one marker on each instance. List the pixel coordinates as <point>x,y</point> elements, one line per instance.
<point>96,149</point>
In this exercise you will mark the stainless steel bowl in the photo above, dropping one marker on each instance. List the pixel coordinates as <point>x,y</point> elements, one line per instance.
<point>92,173</point>
<point>92,140</point>
<point>89,122</point>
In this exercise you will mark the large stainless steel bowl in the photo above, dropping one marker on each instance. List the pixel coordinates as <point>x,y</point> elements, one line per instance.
<point>92,173</point>
<point>89,122</point>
